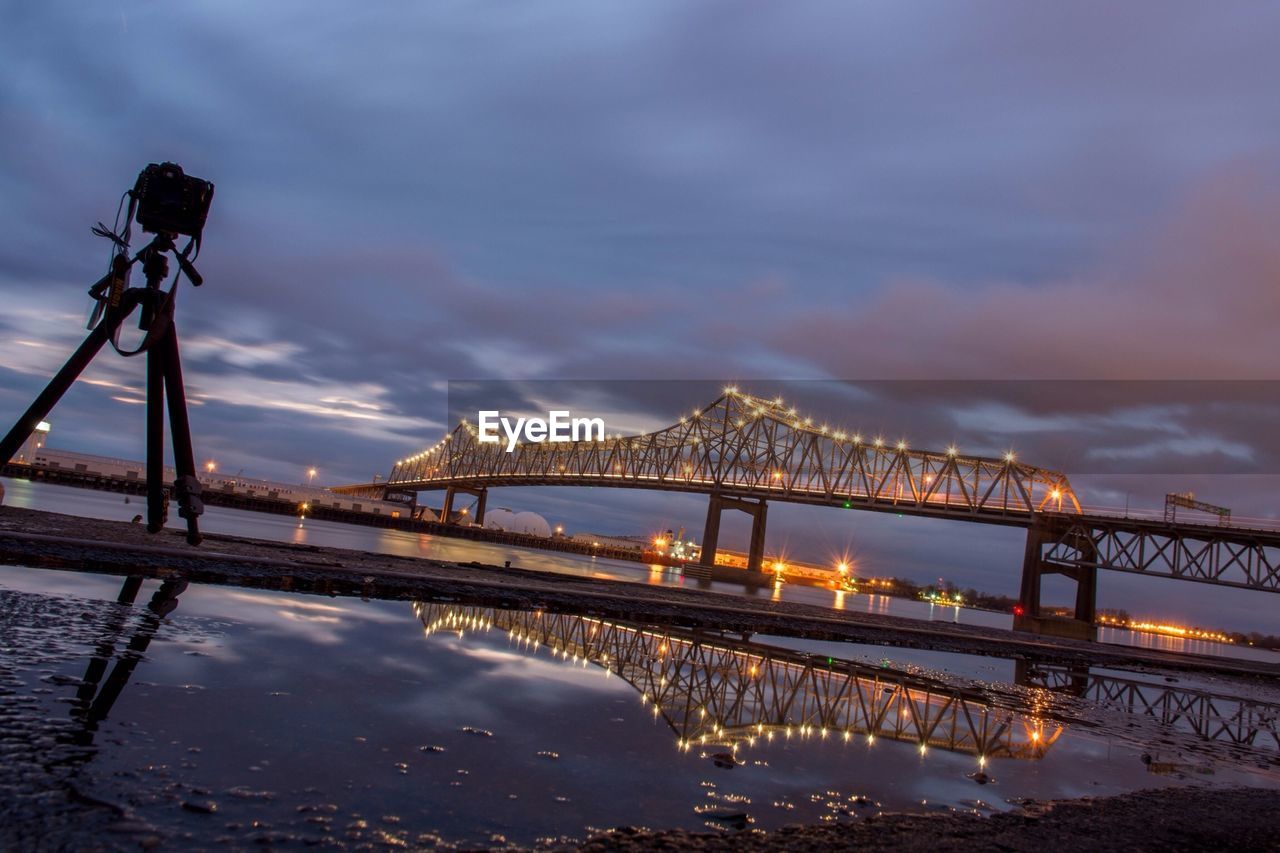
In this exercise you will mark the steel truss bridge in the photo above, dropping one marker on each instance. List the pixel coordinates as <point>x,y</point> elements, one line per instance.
<point>745,451</point>
<point>747,447</point>
<point>717,693</point>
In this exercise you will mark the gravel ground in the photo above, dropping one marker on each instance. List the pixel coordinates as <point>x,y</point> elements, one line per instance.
<point>1192,819</point>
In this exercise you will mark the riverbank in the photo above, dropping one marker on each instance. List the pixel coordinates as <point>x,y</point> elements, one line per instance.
<point>51,540</point>
<point>1171,819</point>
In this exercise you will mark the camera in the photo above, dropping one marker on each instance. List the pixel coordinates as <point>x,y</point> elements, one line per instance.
<point>171,202</point>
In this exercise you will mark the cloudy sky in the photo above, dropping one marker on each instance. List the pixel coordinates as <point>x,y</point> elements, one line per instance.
<point>413,193</point>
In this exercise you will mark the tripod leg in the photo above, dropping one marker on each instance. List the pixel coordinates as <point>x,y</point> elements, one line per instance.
<point>187,485</point>
<point>61,381</point>
<point>157,500</point>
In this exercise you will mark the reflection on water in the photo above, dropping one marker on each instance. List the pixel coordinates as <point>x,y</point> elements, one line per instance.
<point>95,697</point>
<point>717,693</point>
<point>1236,720</point>
<point>278,718</point>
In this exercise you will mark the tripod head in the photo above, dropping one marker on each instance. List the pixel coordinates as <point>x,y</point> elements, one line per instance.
<point>166,202</point>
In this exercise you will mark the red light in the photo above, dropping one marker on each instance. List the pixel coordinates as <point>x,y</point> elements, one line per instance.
<point>1017,610</point>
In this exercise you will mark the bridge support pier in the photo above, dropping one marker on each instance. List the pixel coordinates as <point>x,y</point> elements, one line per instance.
<point>446,511</point>
<point>1083,569</point>
<point>758,510</point>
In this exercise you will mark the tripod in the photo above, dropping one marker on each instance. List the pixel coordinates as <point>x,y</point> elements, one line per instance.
<point>164,377</point>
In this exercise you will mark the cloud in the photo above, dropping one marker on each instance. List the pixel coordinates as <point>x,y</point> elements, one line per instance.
<point>659,190</point>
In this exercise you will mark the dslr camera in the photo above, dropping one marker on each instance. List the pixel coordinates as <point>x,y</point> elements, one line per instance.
<point>171,202</point>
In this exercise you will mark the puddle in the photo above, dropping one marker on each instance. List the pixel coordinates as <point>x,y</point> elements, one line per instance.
<point>206,715</point>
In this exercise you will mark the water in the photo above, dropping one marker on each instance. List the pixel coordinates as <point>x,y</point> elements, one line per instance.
<point>208,714</point>
<point>92,504</point>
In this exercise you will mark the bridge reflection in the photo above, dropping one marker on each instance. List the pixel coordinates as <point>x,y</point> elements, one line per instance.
<point>1211,717</point>
<point>714,691</point>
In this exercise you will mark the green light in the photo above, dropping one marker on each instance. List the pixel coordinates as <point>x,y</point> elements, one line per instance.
<point>848,505</point>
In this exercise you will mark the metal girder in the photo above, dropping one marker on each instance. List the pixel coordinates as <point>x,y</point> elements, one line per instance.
<point>713,692</point>
<point>1238,557</point>
<point>745,446</point>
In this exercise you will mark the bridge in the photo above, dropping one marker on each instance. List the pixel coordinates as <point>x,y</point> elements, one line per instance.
<point>744,452</point>
<point>713,691</point>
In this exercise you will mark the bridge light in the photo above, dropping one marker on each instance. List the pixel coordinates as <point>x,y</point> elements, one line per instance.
<point>777,475</point>
<point>857,438</point>
<point>843,568</point>
<point>879,442</point>
<point>902,445</point>
<point>730,389</point>
<point>1056,494</point>
<point>1009,457</point>
<point>951,451</point>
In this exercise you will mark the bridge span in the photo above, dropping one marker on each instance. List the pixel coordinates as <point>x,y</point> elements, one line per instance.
<point>744,452</point>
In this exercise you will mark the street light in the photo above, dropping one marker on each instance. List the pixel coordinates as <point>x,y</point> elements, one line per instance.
<point>210,466</point>
<point>311,476</point>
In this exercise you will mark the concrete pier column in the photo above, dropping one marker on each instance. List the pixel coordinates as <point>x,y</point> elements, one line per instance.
<point>446,511</point>
<point>711,532</point>
<point>1081,568</point>
<point>480,501</point>
<point>755,555</point>
<point>1032,563</point>
<point>758,511</point>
